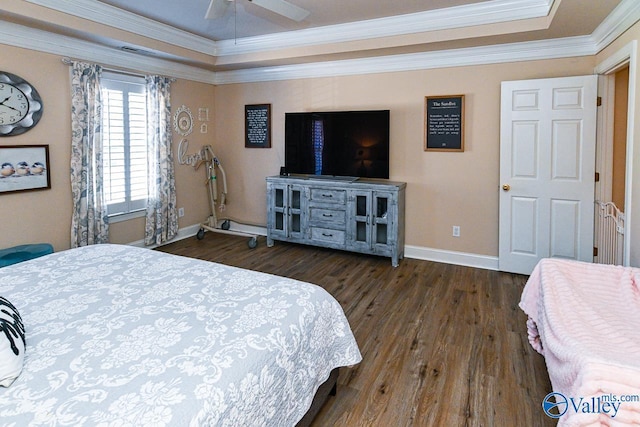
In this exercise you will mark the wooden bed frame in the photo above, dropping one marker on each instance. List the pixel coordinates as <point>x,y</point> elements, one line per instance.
<point>326,389</point>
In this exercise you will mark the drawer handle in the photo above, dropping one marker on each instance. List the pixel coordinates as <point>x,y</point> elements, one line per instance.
<point>326,215</point>
<point>327,195</point>
<point>327,234</point>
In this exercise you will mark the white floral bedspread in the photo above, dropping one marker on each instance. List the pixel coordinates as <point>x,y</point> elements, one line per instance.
<point>124,336</point>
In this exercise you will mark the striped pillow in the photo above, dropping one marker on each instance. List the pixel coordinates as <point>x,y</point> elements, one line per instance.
<point>12,343</point>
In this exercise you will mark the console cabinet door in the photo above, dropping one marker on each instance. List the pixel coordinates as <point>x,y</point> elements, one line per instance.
<point>371,220</point>
<point>382,221</point>
<point>286,211</point>
<point>297,216</point>
<point>359,220</point>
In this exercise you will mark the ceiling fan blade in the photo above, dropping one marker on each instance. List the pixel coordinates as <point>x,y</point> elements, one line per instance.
<point>216,9</point>
<point>284,8</point>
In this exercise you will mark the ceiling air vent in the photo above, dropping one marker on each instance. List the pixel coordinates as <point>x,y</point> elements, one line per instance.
<point>132,49</point>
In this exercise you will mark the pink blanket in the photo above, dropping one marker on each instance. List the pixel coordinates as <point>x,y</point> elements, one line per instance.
<point>585,320</point>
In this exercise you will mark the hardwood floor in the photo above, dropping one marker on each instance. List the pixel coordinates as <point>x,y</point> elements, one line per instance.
<point>442,345</point>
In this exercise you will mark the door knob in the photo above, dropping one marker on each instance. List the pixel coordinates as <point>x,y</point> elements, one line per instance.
<point>506,187</point>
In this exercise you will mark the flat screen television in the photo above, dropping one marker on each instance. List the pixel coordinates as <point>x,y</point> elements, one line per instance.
<point>338,143</point>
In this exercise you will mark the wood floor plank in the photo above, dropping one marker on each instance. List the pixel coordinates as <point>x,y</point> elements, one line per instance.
<point>442,345</point>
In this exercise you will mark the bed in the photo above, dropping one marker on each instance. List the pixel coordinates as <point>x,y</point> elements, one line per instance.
<point>585,320</point>
<point>118,335</point>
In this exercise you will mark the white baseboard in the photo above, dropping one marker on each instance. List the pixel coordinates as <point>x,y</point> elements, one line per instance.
<point>183,233</point>
<point>415,252</point>
<point>451,257</point>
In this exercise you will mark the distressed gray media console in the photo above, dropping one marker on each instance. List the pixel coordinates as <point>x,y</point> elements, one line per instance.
<point>359,215</point>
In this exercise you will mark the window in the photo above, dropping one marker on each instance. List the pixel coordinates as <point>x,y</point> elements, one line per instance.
<point>124,130</point>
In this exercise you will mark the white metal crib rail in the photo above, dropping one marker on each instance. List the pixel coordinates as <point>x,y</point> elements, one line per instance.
<point>609,234</point>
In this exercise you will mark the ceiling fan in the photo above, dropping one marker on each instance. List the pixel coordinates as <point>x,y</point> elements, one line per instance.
<point>281,7</point>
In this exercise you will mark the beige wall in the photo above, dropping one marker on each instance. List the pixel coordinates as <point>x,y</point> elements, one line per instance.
<point>444,189</point>
<point>45,216</point>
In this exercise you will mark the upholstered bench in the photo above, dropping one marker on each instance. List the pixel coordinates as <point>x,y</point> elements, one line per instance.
<point>21,253</point>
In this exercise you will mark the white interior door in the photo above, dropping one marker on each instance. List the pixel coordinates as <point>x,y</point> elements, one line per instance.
<point>547,171</point>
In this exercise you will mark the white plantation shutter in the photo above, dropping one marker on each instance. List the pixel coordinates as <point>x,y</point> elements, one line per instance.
<point>138,146</point>
<point>125,143</point>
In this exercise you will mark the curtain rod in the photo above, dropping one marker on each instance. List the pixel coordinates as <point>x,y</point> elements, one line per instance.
<point>68,61</point>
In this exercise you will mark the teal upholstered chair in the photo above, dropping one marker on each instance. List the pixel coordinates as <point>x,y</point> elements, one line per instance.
<point>21,253</point>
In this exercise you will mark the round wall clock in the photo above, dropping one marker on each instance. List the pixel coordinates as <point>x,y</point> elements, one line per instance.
<point>183,121</point>
<point>20,105</point>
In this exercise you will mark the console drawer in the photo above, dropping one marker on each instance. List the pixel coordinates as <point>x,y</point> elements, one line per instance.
<point>329,216</point>
<point>328,195</point>
<point>328,235</point>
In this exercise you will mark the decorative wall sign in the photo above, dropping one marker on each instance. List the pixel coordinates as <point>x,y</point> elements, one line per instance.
<point>257,126</point>
<point>24,168</point>
<point>187,159</point>
<point>183,121</point>
<point>444,123</point>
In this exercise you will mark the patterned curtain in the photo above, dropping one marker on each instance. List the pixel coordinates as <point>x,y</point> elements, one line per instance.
<point>89,222</point>
<point>162,217</point>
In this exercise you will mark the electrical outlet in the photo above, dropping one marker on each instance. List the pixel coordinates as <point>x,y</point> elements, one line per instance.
<point>180,212</point>
<point>456,231</point>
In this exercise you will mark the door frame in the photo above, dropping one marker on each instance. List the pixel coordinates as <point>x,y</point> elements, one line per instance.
<point>604,136</point>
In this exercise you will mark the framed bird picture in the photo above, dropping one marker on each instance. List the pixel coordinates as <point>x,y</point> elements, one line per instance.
<point>24,168</point>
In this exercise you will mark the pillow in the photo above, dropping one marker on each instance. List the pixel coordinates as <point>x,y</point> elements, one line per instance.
<point>12,343</point>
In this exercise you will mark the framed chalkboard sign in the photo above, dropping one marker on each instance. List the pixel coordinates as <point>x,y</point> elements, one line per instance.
<point>444,123</point>
<point>257,125</point>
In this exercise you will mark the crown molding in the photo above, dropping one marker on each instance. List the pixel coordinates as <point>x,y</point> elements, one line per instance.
<point>619,20</point>
<point>626,14</point>
<point>514,52</point>
<point>103,13</point>
<point>491,12</point>
<point>38,40</point>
